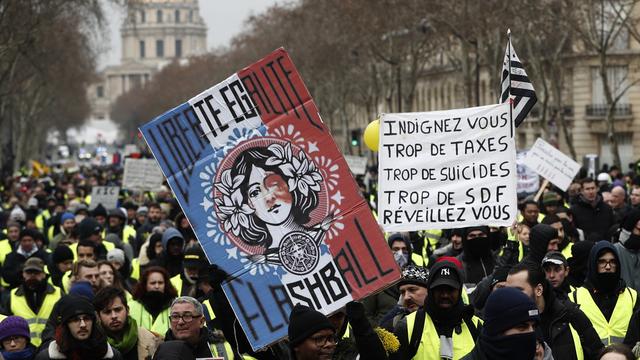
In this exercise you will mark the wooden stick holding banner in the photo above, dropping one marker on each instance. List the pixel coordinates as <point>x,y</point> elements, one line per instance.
<point>544,185</point>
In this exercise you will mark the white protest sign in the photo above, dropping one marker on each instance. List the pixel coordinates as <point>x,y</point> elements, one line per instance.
<point>357,164</point>
<point>105,195</point>
<point>552,164</point>
<point>528,180</point>
<point>142,174</point>
<point>447,169</point>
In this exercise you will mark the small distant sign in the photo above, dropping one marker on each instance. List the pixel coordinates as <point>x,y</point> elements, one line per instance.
<point>142,175</point>
<point>552,164</point>
<point>105,195</point>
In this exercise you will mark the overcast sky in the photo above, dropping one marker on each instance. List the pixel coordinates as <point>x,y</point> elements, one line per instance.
<point>224,19</point>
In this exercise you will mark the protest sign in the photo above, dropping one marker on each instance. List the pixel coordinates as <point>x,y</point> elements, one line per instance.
<point>528,180</point>
<point>142,175</point>
<point>447,169</point>
<point>271,198</point>
<point>105,195</point>
<point>357,164</point>
<point>552,164</point>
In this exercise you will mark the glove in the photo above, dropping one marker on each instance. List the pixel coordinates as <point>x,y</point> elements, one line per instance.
<point>636,350</point>
<point>355,310</point>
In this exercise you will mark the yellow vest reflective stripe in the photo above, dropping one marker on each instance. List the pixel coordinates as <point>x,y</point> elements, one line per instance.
<point>576,343</point>
<point>159,325</point>
<point>135,269</point>
<point>37,322</point>
<point>176,281</point>
<point>429,348</point>
<point>615,329</point>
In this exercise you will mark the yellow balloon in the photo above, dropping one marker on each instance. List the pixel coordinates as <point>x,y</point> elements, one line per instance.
<point>372,135</point>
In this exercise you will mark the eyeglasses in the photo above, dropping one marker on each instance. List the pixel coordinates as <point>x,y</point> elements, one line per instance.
<point>604,262</point>
<point>188,317</point>
<point>321,340</point>
<point>80,318</point>
<point>14,338</point>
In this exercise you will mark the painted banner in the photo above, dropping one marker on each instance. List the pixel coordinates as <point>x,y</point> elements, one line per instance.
<point>142,175</point>
<point>528,180</point>
<point>271,198</point>
<point>357,164</point>
<point>105,195</point>
<point>447,169</point>
<point>552,164</point>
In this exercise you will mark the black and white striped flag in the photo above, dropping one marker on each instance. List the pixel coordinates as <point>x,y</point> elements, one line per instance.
<point>516,86</point>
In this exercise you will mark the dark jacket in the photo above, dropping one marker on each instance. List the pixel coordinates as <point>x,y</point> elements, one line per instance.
<point>51,351</point>
<point>13,263</point>
<point>594,220</point>
<point>201,350</point>
<point>174,350</point>
<point>539,238</point>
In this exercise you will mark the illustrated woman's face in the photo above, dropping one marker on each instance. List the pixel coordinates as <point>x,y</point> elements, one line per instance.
<point>269,195</point>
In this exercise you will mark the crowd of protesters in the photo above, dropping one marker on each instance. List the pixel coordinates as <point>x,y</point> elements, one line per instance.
<point>80,281</point>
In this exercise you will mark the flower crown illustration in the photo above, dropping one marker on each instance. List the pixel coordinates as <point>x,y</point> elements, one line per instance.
<point>301,174</point>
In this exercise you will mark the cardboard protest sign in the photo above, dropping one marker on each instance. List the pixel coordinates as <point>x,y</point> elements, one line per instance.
<point>105,195</point>
<point>528,180</point>
<point>447,169</point>
<point>271,198</point>
<point>142,174</point>
<point>357,164</point>
<point>552,164</point>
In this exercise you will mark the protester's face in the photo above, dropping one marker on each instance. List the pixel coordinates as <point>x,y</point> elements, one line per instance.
<point>456,242</point>
<point>27,243</point>
<point>319,346</point>
<point>155,282</point>
<point>607,263</point>
<point>174,247</point>
<point>606,198</point>
<point>116,264</point>
<point>399,245</point>
<point>90,274</point>
<point>114,316</point>
<point>445,296</point>
<point>80,326</point>
<point>617,197</point>
<point>13,233</point>
<point>114,221</point>
<point>141,218</point>
<point>101,219</point>
<point>556,274</point>
<point>14,343</point>
<point>68,225</point>
<point>475,234</point>
<point>589,191</point>
<point>131,213</point>
<point>85,253</point>
<point>523,234</point>
<point>558,226</point>
<point>524,328</point>
<point>635,197</point>
<point>519,281</point>
<point>33,277</point>
<point>186,330</point>
<point>268,194</point>
<point>530,213</point>
<point>154,214</point>
<point>412,296</point>
<point>65,266</point>
<point>106,275</point>
<point>158,248</point>
<point>553,245</point>
<point>613,356</point>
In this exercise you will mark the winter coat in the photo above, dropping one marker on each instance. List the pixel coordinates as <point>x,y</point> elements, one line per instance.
<point>148,343</point>
<point>594,220</point>
<point>629,266</point>
<point>52,352</point>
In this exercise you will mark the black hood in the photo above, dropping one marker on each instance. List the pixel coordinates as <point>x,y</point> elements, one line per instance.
<point>592,266</point>
<point>400,237</point>
<point>539,238</point>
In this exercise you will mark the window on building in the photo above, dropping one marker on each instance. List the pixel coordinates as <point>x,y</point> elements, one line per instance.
<point>177,16</point>
<point>143,16</point>
<point>190,15</point>
<point>159,16</point>
<point>100,91</point>
<point>142,50</point>
<point>159,48</point>
<point>135,81</point>
<point>617,81</point>
<point>178,48</point>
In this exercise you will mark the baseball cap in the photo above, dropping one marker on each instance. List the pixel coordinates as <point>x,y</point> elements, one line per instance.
<point>554,257</point>
<point>445,275</point>
<point>34,264</point>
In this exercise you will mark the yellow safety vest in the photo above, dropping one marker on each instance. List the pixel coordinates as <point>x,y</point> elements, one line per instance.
<point>576,343</point>
<point>417,259</point>
<point>135,269</point>
<point>429,348</point>
<point>567,251</point>
<point>176,281</point>
<point>159,325</point>
<point>127,231</point>
<point>614,330</point>
<point>42,218</point>
<point>74,248</point>
<point>223,350</point>
<point>37,322</point>
<point>5,249</point>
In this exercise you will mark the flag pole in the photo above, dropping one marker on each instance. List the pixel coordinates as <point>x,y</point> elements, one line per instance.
<point>509,97</point>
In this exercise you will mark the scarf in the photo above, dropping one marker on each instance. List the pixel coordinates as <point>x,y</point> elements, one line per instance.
<point>129,338</point>
<point>24,354</point>
<point>519,346</point>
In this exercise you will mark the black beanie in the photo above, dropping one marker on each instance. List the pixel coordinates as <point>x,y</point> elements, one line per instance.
<point>304,322</point>
<point>539,238</point>
<point>73,305</point>
<point>630,220</point>
<point>62,253</point>
<point>99,211</point>
<point>507,308</point>
<point>87,227</point>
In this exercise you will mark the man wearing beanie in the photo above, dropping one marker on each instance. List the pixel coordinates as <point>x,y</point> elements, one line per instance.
<point>90,230</point>
<point>311,334</point>
<point>477,258</point>
<point>604,297</point>
<point>34,299</point>
<point>542,239</point>
<point>564,327</point>
<point>78,336</point>
<point>629,249</point>
<point>445,328</point>
<point>100,215</point>
<point>413,292</point>
<point>67,224</point>
<point>16,339</point>
<point>509,327</point>
<point>62,259</point>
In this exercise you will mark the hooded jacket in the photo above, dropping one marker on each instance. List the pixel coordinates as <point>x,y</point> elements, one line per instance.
<point>173,264</point>
<point>578,262</point>
<point>477,258</point>
<point>629,250</point>
<point>594,219</point>
<point>539,239</point>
